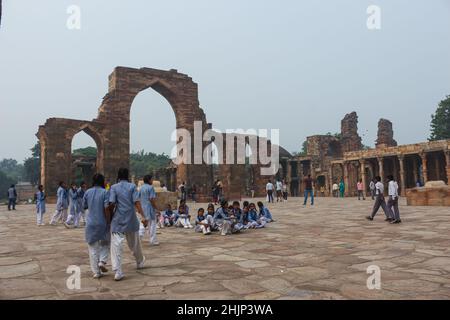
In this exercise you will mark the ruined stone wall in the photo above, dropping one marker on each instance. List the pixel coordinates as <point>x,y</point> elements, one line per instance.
<point>350,140</point>
<point>385,134</point>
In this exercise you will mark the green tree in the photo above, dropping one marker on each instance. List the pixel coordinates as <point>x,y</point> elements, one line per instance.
<point>5,183</point>
<point>32,165</point>
<point>440,121</point>
<point>12,169</point>
<point>87,152</point>
<point>142,163</point>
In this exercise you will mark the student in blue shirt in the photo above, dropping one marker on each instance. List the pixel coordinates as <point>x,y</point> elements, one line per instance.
<point>264,212</point>
<point>61,204</point>
<point>73,205</point>
<point>170,216</point>
<point>123,203</point>
<point>201,222</point>
<point>97,233</point>
<point>81,212</point>
<point>147,196</point>
<point>221,220</point>
<point>40,205</point>
<point>253,218</point>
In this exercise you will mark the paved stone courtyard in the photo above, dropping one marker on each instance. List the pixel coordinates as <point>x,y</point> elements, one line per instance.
<point>309,253</point>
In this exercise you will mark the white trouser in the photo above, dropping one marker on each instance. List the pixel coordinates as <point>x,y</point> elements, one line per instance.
<point>58,216</point>
<point>225,227</point>
<point>151,230</point>
<point>74,218</point>
<point>203,228</point>
<point>82,216</point>
<point>39,216</point>
<point>98,252</point>
<point>183,223</point>
<point>134,243</point>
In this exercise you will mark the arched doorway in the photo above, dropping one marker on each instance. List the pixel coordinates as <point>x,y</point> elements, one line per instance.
<point>83,159</point>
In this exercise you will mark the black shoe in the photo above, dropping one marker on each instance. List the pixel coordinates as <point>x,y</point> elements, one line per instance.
<point>396,221</point>
<point>388,219</point>
<point>369,218</point>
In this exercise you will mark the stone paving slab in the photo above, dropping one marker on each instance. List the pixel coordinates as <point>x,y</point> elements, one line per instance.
<point>319,252</point>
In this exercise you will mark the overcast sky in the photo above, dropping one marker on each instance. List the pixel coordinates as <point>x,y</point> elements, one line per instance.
<point>295,65</point>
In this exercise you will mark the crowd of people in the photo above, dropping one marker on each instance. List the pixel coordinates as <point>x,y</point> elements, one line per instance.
<point>112,218</point>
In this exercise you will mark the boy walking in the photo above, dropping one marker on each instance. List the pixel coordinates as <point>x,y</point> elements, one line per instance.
<point>123,200</point>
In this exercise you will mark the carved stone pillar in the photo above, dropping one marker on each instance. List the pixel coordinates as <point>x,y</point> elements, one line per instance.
<point>381,168</point>
<point>362,164</point>
<point>346,182</point>
<point>424,167</point>
<point>401,160</point>
<point>447,160</point>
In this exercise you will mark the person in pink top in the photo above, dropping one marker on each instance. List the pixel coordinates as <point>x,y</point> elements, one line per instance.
<point>360,187</point>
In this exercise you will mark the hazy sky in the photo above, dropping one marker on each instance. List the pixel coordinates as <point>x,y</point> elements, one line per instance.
<point>295,65</point>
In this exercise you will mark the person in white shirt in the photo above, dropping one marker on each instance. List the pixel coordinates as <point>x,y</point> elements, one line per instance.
<point>393,200</point>
<point>269,190</point>
<point>372,189</point>
<point>279,187</point>
<point>335,190</point>
<point>379,201</point>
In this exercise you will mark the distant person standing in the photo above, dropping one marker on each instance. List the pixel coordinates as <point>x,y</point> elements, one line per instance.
<point>342,189</point>
<point>372,188</point>
<point>40,205</point>
<point>12,197</point>
<point>182,189</point>
<point>392,204</point>
<point>285,190</point>
<point>123,202</point>
<point>309,190</point>
<point>269,191</point>
<point>419,184</point>
<point>335,190</point>
<point>194,193</point>
<point>279,188</point>
<point>379,201</point>
<point>360,189</point>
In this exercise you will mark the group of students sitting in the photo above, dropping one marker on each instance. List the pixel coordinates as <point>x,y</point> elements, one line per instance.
<point>227,219</point>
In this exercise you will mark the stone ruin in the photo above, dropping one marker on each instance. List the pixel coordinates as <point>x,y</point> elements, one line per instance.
<point>385,134</point>
<point>111,132</point>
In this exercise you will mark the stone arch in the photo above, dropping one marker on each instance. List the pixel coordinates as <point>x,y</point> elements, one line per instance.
<point>111,129</point>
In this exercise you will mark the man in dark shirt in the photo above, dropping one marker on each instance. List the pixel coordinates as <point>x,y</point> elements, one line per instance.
<point>308,182</point>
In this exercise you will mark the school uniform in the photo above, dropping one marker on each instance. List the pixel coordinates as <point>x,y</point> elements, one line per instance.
<point>238,224</point>
<point>40,207</point>
<point>183,221</point>
<point>169,217</point>
<point>379,201</point>
<point>124,224</point>
<point>265,214</point>
<point>73,208</point>
<point>81,211</point>
<point>393,200</point>
<point>222,221</point>
<point>146,194</point>
<point>97,233</point>
<point>254,221</point>
<point>202,224</point>
<point>61,206</point>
